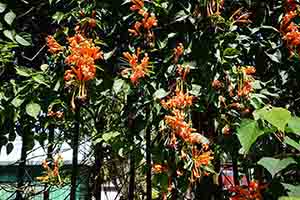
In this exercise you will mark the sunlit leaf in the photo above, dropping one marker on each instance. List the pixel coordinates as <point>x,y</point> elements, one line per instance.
<point>248,132</point>
<point>278,117</point>
<point>9,17</point>
<point>274,165</point>
<point>22,41</point>
<point>33,109</point>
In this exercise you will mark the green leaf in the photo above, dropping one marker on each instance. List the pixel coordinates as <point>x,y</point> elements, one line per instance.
<point>159,94</point>
<point>2,7</point>
<point>278,117</point>
<point>9,17</point>
<point>275,165</point>
<point>9,34</point>
<point>33,109</point>
<point>293,126</point>
<point>108,55</point>
<point>23,71</point>
<point>40,79</point>
<point>196,89</point>
<point>110,135</point>
<point>231,53</point>
<point>58,16</point>
<point>22,41</point>
<point>118,84</point>
<point>155,193</point>
<point>17,101</point>
<point>291,142</point>
<point>292,189</point>
<point>248,132</point>
<point>276,57</point>
<point>289,198</point>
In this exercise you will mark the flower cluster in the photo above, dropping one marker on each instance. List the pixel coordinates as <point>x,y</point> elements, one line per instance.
<point>83,54</point>
<point>82,57</point>
<point>289,28</point>
<point>234,93</point>
<point>180,126</point>
<point>200,158</point>
<point>53,46</point>
<point>137,69</point>
<point>214,7</point>
<point>147,23</point>
<point>52,175</point>
<point>177,52</point>
<point>245,83</point>
<point>252,192</point>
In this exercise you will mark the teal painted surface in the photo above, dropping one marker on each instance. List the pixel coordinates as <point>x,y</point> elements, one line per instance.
<point>56,193</point>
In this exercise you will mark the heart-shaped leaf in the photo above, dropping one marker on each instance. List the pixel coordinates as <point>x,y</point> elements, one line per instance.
<point>248,132</point>
<point>278,117</point>
<point>275,165</point>
<point>33,109</point>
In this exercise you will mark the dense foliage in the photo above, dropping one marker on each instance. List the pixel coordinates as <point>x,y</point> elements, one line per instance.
<point>169,93</point>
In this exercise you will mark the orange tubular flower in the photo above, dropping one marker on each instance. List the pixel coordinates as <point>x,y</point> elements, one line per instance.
<point>178,51</point>
<point>53,45</point>
<point>181,100</point>
<point>249,70</point>
<point>158,168</point>
<point>250,192</point>
<point>201,158</point>
<point>136,29</point>
<point>82,57</point>
<point>138,70</point>
<point>149,22</point>
<point>246,89</point>
<point>137,5</point>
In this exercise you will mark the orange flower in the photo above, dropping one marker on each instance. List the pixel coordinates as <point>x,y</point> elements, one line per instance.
<point>288,17</point>
<point>216,84</point>
<point>158,168</point>
<point>249,70</point>
<point>53,45</point>
<point>82,57</point>
<point>178,51</point>
<point>149,22</point>
<point>250,192</point>
<point>201,158</point>
<point>246,89</point>
<point>45,165</point>
<point>181,100</point>
<point>136,29</point>
<point>293,38</point>
<point>138,70</point>
<point>92,23</point>
<point>137,5</point>
<point>183,72</point>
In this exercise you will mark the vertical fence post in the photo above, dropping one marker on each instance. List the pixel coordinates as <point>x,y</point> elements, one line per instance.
<point>98,163</point>
<point>21,169</point>
<point>49,156</point>
<point>75,146</point>
<point>132,175</point>
<point>148,156</point>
